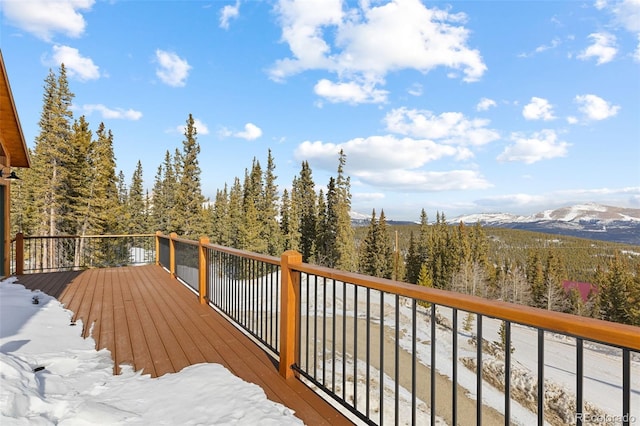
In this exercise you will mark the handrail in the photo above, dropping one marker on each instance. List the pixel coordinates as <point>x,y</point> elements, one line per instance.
<point>264,295</point>
<point>616,334</point>
<point>63,252</point>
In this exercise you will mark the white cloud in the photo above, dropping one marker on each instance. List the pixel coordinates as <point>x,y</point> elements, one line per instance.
<point>76,65</point>
<point>172,69</point>
<point>424,181</point>
<point>368,196</point>
<point>627,15</point>
<point>109,113</point>
<point>228,13</point>
<point>596,108</point>
<point>395,163</point>
<point>533,203</point>
<point>367,42</point>
<point>376,152</point>
<point>600,4</point>
<point>538,109</point>
<point>554,43</point>
<point>416,89</point>
<point>44,18</point>
<point>485,104</point>
<point>448,127</point>
<point>543,145</point>
<point>200,127</point>
<point>250,132</point>
<point>350,92</point>
<point>603,48</point>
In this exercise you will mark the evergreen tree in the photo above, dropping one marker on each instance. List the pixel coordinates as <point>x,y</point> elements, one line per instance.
<point>304,200</point>
<point>220,233</point>
<point>106,202</point>
<point>189,201</point>
<point>50,154</point>
<point>425,280</point>
<point>412,260</point>
<point>289,221</point>
<point>24,214</point>
<point>614,293</point>
<point>368,264</point>
<point>79,181</point>
<point>345,251</point>
<point>269,210</point>
<point>323,234</point>
<point>251,237</point>
<point>136,213</point>
<point>536,280</point>
<point>376,258</point>
<point>384,247</point>
<point>235,214</point>
<point>555,297</point>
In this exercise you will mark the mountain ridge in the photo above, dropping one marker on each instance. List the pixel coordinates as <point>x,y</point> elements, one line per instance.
<point>587,220</point>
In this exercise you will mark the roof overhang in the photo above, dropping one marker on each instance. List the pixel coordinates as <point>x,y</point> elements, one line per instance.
<point>11,137</point>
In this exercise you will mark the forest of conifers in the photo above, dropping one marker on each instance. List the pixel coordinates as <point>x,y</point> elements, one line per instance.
<point>73,188</point>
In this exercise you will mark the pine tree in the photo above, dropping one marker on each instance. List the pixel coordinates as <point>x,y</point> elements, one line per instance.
<point>250,236</point>
<point>376,258</point>
<point>614,293</point>
<point>269,210</point>
<point>235,214</point>
<point>368,256</point>
<point>555,297</point>
<point>323,233</point>
<point>50,153</point>
<point>188,208</point>
<point>79,181</point>
<point>346,256</point>
<point>384,248</point>
<point>136,213</point>
<point>304,200</point>
<point>412,260</point>
<point>535,278</point>
<point>220,233</point>
<point>164,195</point>
<point>289,221</point>
<point>106,202</point>
<point>425,280</point>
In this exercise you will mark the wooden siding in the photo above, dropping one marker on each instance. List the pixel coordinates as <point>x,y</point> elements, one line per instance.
<point>154,323</point>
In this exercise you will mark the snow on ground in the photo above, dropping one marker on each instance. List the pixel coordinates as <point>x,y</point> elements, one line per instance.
<point>51,375</point>
<point>602,371</point>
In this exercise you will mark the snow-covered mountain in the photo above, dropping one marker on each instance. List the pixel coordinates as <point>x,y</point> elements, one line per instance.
<point>590,220</point>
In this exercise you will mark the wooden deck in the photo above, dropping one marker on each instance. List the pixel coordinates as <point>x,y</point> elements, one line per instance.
<point>154,323</point>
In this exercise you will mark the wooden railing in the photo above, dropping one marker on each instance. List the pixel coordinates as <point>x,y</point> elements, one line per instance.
<point>392,352</point>
<point>338,330</point>
<point>73,252</point>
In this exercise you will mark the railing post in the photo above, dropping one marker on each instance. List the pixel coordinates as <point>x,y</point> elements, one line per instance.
<point>158,233</point>
<point>172,254</point>
<point>19,253</point>
<point>202,270</point>
<point>290,315</point>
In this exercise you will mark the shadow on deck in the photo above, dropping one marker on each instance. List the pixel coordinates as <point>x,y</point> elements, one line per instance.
<point>154,323</point>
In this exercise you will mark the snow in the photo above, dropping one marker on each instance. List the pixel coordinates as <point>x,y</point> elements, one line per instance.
<point>77,386</point>
<point>602,371</point>
<point>51,375</point>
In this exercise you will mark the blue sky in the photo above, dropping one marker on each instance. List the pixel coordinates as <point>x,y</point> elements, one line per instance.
<point>459,107</point>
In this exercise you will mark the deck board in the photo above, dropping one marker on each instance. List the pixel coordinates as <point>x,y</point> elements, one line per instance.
<point>154,323</point>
